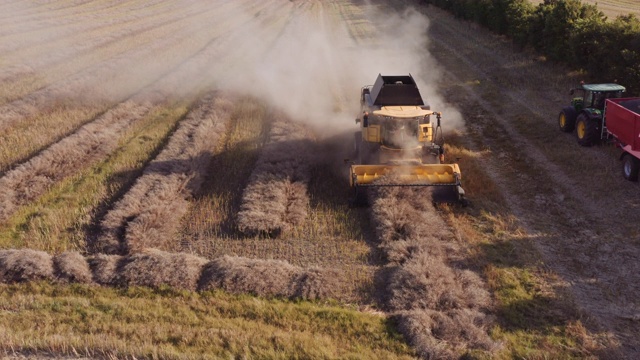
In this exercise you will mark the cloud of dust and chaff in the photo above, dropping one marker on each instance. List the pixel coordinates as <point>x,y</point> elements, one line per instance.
<point>307,58</point>
<point>313,67</point>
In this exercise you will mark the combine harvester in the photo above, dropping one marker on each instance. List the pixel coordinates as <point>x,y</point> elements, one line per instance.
<point>600,113</point>
<point>398,145</point>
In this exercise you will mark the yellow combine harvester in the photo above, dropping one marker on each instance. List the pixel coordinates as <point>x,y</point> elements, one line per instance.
<point>398,145</point>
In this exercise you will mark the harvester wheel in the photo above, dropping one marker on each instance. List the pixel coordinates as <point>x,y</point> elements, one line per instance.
<point>360,197</point>
<point>567,119</point>
<point>587,131</point>
<point>630,167</point>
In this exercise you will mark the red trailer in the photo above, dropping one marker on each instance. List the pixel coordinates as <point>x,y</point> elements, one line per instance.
<point>622,121</point>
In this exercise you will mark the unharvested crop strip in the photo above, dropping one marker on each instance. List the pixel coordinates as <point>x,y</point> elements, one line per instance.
<point>276,198</point>
<point>440,307</point>
<point>149,214</point>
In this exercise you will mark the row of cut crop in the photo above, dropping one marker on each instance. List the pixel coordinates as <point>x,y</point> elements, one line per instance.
<point>276,198</point>
<point>154,268</point>
<point>438,304</point>
<point>89,144</point>
<point>95,140</point>
<point>149,214</point>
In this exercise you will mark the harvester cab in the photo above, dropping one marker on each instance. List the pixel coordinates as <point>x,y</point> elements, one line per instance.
<point>585,114</point>
<point>398,143</point>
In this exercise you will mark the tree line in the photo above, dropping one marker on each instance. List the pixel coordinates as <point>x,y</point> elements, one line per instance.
<point>565,31</point>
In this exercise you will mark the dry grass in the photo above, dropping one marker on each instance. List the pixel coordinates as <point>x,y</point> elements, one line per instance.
<point>154,268</point>
<point>157,269</point>
<point>212,213</point>
<point>97,322</point>
<point>42,117</point>
<point>61,218</point>
<point>72,267</point>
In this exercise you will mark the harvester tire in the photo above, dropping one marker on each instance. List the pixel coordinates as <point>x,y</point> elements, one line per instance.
<point>587,132</point>
<point>360,197</point>
<point>567,119</point>
<point>630,167</point>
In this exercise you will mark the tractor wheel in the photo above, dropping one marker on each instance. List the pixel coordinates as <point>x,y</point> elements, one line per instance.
<point>567,119</point>
<point>630,167</point>
<point>587,131</point>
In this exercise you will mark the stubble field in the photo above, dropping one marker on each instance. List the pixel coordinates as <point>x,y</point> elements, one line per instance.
<point>181,163</point>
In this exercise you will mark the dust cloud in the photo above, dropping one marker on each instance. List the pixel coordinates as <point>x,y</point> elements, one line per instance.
<point>308,58</point>
<point>316,65</point>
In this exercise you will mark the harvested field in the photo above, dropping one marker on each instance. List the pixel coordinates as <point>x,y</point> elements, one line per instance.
<point>611,8</point>
<point>185,163</point>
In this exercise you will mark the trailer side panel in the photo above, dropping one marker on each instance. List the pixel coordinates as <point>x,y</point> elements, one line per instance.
<point>623,120</point>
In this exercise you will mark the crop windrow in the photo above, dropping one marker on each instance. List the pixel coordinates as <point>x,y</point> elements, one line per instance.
<point>93,141</point>
<point>438,303</point>
<point>156,269</point>
<point>149,214</point>
<point>276,198</point>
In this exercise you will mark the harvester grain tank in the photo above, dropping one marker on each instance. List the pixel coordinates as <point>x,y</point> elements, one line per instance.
<point>398,143</point>
<point>600,113</point>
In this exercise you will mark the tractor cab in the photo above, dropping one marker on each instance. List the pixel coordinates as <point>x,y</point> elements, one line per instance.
<point>592,96</point>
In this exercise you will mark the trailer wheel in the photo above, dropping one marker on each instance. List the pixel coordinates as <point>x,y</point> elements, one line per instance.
<point>630,167</point>
<point>567,119</point>
<point>587,131</point>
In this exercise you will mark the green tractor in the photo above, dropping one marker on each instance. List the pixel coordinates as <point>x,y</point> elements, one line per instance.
<point>585,114</point>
